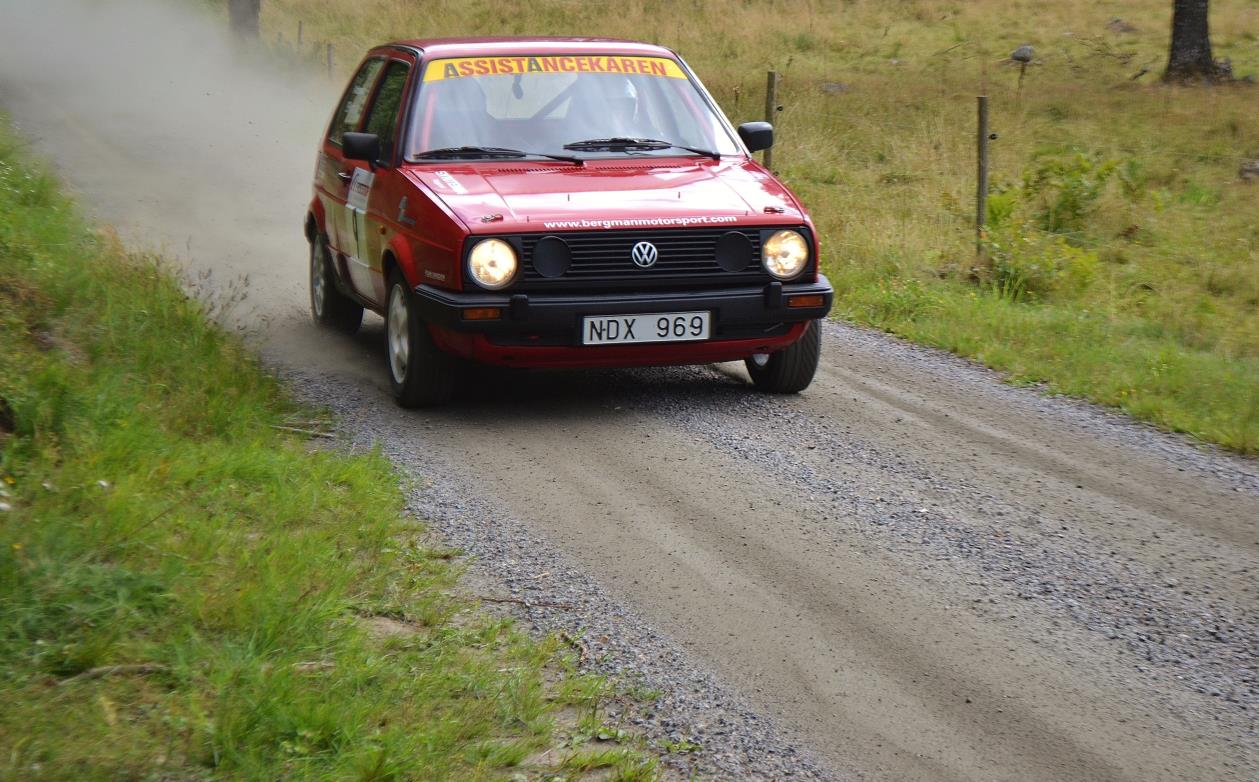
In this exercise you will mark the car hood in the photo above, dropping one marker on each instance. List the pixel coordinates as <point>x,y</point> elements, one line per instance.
<point>607,194</point>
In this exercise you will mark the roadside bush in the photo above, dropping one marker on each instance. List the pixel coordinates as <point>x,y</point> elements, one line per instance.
<point>1065,190</point>
<point>1028,264</point>
<point>1028,260</point>
<point>1003,201</point>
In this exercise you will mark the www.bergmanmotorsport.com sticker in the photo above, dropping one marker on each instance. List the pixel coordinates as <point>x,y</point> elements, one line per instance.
<point>464,67</point>
<point>642,222</point>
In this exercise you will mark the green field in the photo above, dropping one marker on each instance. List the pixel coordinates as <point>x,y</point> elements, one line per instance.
<point>1123,263</point>
<point>190,591</point>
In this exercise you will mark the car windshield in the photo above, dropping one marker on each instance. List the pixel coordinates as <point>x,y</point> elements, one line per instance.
<point>586,105</point>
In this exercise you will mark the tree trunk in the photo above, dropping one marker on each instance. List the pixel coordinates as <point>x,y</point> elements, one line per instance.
<point>243,17</point>
<point>1190,58</point>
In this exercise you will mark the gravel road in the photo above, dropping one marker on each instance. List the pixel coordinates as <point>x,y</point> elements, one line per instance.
<point>911,571</point>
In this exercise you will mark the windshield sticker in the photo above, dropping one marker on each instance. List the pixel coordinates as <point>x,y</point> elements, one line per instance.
<point>462,67</point>
<point>642,222</point>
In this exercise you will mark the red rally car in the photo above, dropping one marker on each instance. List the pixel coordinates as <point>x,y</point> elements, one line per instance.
<point>556,203</point>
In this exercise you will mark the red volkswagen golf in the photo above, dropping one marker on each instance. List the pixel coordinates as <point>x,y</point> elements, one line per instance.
<point>556,203</point>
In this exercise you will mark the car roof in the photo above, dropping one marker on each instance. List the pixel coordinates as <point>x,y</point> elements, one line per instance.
<point>463,47</point>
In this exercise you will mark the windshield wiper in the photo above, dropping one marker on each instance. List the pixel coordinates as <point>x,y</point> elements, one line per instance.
<point>624,142</point>
<point>472,152</point>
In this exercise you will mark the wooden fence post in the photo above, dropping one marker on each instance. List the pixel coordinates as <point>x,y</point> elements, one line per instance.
<point>771,108</point>
<point>981,185</point>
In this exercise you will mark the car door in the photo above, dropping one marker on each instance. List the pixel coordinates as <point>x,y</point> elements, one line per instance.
<point>334,173</point>
<point>374,209</point>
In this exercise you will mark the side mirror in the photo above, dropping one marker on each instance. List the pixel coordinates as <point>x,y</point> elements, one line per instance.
<point>756,135</point>
<point>361,146</point>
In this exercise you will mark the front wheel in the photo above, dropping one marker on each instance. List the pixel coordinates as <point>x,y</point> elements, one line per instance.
<point>328,306</point>
<point>420,374</point>
<point>791,369</point>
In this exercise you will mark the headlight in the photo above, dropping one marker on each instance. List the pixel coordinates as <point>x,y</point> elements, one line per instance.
<point>492,263</point>
<point>785,254</point>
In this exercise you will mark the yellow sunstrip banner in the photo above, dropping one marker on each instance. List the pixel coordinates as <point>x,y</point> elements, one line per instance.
<point>464,67</point>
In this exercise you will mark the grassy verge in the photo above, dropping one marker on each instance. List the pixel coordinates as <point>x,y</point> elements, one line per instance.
<point>187,591</point>
<point>1125,257</point>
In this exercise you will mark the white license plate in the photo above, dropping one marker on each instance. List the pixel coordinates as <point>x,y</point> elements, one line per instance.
<point>654,327</point>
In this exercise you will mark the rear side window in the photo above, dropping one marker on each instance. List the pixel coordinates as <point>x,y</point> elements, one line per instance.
<point>351,111</point>
<point>382,118</point>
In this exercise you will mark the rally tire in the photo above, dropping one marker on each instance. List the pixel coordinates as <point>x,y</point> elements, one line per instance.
<point>329,307</point>
<point>420,374</point>
<point>791,369</point>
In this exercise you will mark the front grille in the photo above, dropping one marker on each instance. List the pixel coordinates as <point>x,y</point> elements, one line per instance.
<point>602,260</point>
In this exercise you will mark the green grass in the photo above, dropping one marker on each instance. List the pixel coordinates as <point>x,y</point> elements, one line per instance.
<point>1150,301</point>
<point>154,516</point>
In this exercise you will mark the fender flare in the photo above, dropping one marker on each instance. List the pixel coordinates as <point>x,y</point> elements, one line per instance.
<point>315,220</point>
<point>400,250</point>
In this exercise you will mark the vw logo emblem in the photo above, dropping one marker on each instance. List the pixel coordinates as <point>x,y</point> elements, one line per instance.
<point>644,255</point>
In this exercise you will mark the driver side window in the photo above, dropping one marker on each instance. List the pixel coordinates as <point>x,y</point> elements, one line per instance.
<point>351,111</point>
<point>382,118</point>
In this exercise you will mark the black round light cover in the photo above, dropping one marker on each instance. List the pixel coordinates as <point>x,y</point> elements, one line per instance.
<point>551,256</point>
<point>734,251</point>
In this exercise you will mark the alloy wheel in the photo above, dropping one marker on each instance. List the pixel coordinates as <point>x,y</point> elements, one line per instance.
<point>399,334</point>
<point>318,282</point>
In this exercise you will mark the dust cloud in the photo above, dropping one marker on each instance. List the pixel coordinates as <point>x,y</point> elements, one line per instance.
<point>165,127</point>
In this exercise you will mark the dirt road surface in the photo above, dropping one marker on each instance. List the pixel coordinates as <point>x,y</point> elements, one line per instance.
<point>908,572</point>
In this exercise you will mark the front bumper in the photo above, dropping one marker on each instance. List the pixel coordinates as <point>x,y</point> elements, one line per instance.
<point>737,312</point>
<point>537,329</point>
